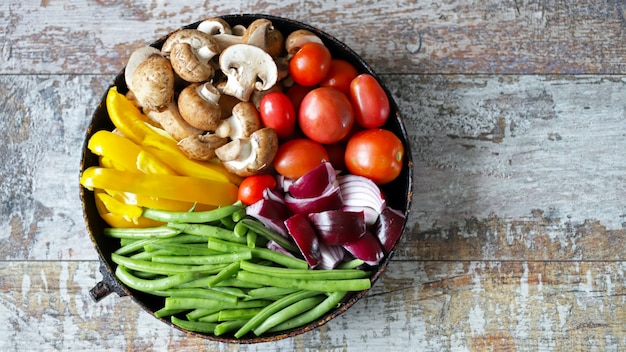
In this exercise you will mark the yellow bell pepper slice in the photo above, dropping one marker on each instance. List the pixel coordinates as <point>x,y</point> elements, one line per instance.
<point>183,188</point>
<point>178,161</point>
<point>127,118</point>
<point>126,155</point>
<point>115,220</point>
<point>147,201</point>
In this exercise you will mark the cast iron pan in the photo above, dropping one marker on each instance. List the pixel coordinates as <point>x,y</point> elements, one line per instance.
<point>398,193</point>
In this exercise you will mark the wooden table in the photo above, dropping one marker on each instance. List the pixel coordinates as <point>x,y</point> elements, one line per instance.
<point>516,112</point>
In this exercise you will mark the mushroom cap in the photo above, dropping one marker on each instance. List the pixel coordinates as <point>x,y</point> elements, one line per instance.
<point>173,123</point>
<point>296,39</point>
<point>214,25</point>
<point>261,33</point>
<point>251,155</point>
<point>247,68</point>
<point>244,121</point>
<point>188,66</point>
<point>201,146</point>
<point>198,105</point>
<point>153,83</point>
<point>191,51</point>
<point>136,57</point>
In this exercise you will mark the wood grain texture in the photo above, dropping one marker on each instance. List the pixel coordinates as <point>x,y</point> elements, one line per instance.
<point>417,306</point>
<point>477,36</point>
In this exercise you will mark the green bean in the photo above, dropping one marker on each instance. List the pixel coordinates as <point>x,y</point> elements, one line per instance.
<point>208,231</point>
<point>269,291</point>
<point>272,308</point>
<point>162,268</point>
<point>229,271</point>
<point>197,326</point>
<point>221,258</point>
<point>198,313</point>
<point>162,313</point>
<point>332,301</point>
<point>239,313</point>
<point>228,326</point>
<point>151,285</point>
<point>227,222</point>
<point>251,238</point>
<point>351,264</point>
<point>148,255</point>
<point>234,283</point>
<point>191,216</point>
<point>197,293</point>
<point>261,253</point>
<point>127,241</point>
<point>304,274</point>
<point>239,214</point>
<point>288,313</point>
<point>134,246</point>
<point>193,303</point>
<point>260,229</point>
<point>240,230</point>
<point>235,291</point>
<point>181,249</point>
<point>307,284</point>
<point>141,233</point>
<point>211,318</point>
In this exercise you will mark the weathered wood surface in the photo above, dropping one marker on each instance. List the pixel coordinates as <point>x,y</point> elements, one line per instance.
<point>516,114</point>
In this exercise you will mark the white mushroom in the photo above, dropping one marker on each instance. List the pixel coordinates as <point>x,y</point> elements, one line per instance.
<point>242,123</point>
<point>221,32</point>
<point>202,146</point>
<point>150,77</point>
<point>248,68</point>
<point>198,104</point>
<point>296,39</point>
<point>173,123</point>
<point>250,155</point>
<point>190,52</point>
<point>261,33</point>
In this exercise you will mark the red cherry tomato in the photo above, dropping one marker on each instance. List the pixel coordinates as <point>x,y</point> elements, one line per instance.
<point>340,75</point>
<point>326,115</point>
<point>371,104</point>
<point>277,111</point>
<point>296,157</point>
<point>252,187</point>
<point>310,64</point>
<point>296,93</point>
<point>376,154</point>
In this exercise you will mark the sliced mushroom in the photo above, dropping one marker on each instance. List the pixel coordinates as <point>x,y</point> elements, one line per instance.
<point>248,68</point>
<point>242,123</point>
<point>250,155</point>
<point>198,104</point>
<point>153,83</point>
<point>296,39</point>
<point>221,32</point>
<point>173,123</point>
<point>190,52</point>
<point>201,146</point>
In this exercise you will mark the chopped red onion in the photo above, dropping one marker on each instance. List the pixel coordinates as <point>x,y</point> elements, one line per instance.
<point>305,237</point>
<point>361,193</point>
<point>272,213</point>
<point>332,255</point>
<point>329,200</point>
<point>367,248</point>
<point>314,183</point>
<point>389,227</point>
<point>338,226</point>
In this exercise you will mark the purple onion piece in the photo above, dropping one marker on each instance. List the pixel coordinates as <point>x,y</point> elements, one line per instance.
<point>361,193</point>
<point>332,255</point>
<point>271,213</point>
<point>338,226</point>
<point>329,200</point>
<point>370,215</point>
<point>305,237</point>
<point>389,227</point>
<point>314,183</point>
<point>367,248</point>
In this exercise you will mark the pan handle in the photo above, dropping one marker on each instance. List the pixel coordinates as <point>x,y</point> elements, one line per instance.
<point>107,286</point>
